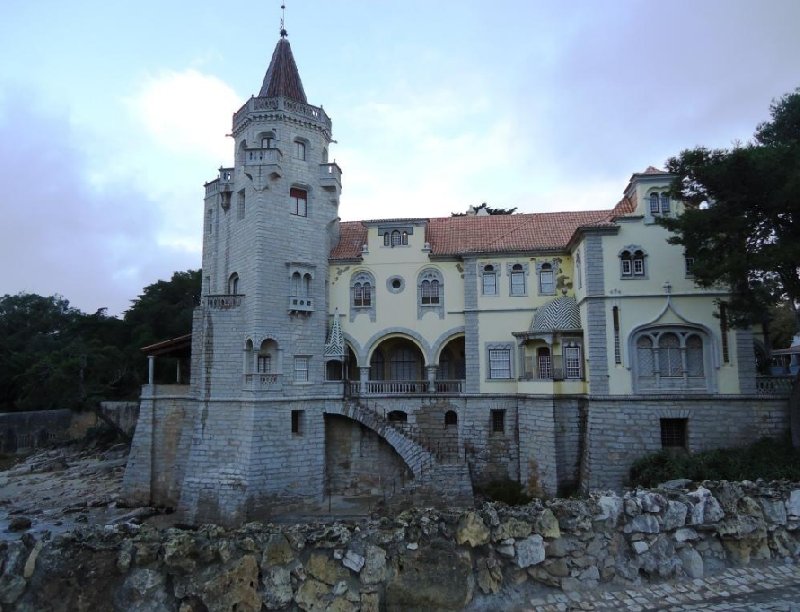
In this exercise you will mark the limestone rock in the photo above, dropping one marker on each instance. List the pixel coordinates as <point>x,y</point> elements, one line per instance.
<point>774,511</point>
<point>547,525</point>
<point>642,523</point>
<point>312,595</point>
<point>370,602</point>
<point>640,547</point>
<point>278,551</point>
<point>340,604</point>
<point>277,587</point>
<point>490,578</point>
<point>610,507</point>
<point>793,504</point>
<point>325,569</point>
<point>353,561</point>
<point>674,515</point>
<point>692,562</point>
<point>438,577</point>
<point>144,590</point>
<point>471,530</point>
<point>557,567</point>
<point>513,528</point>
<point>686,534</point>
<point>530,551</point>
<point>233,587</point>
<point>19,523</point>
<point>706,508</point>
<point>374,570</point>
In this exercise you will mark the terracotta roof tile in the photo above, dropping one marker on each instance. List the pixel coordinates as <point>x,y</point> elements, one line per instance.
<point>487,234</point>
<point>625,206</point>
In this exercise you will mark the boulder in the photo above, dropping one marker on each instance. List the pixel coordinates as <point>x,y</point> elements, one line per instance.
<point>513,528</point>
<point>642,523</point>
<point>674,515</point>
<point>793,504</point>
<point>374,570</point>
<point>312,596</point>
<point>610,507</point>
<point>692,562</point>
<point>353,561</point>
<point>144,590</point>
<point>530,551</point>
<point>278,551</point>
<point>325,569</point>
<point>706,508</point>
<point>472,530</point>
<point>546,525</point>
<point>277,583</point>
<point>774,511</point>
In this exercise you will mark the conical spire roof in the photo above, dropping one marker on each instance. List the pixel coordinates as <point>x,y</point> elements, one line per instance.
<point>282,78</point>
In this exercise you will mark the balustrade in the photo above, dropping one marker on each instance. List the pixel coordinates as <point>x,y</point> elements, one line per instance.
<point>774,385</point>
<point>223,302</point>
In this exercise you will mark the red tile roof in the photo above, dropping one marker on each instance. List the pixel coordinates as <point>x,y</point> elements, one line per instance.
<point>487,234</point>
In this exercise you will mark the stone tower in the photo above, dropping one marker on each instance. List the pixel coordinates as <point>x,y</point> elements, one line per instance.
<point>258,372</point>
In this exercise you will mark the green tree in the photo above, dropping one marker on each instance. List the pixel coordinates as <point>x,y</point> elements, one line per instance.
<point>742,220</point>
<point>488,209</point>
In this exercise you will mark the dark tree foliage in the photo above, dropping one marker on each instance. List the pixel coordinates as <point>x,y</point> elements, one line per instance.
<point>488,209</point>
<point>55,356</point>
<point>742,220</point>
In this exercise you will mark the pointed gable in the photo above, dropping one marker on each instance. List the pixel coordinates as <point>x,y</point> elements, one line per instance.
<point>282,78</point>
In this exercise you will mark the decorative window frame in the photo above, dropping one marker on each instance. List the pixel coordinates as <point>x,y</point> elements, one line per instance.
<point>658,202</point>
<point>362,276</point>
<point>484,272</point>
<point>499,346</point>
<point>390,284</point>
<point>671,383</point>
<point>525,270</point>
<point>403,231</point>
<point>553,263</point>
<point>430,275</point>
<point>233,284</point>
<point>628,265</point>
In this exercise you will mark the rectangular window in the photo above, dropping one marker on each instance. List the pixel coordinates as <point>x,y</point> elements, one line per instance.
<point>723,328</point>
<point>301,369</point>
<point>298,199</point>
<point>673,433</point>
<point>297,422</point>
<point>210,224</point>
<point>627,269</point>
<point>264,364</point>
<point>689,264</point>
<point>498,421</point>
<point>518,283</point>
<point>240,205</point>
<point>654,208</point>
<point>300,150</point>
<point>572,361</point>
<point>499,363</point>
<point>638,267</point>
<point>617,350</point>
<point>489,283</point>
<point>664,203</point>
<point>546,284</point>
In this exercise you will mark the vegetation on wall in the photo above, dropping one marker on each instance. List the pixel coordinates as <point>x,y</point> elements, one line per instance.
<point>55,356</point>
<point>488,209</point>
<point>768,459</point>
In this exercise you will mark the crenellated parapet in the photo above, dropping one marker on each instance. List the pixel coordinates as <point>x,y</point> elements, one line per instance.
<point>280,107</point>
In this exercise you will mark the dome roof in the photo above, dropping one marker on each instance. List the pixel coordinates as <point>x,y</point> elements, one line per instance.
<point>561,314</point>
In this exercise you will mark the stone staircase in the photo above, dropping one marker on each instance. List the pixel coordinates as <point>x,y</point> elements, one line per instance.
<point>450,480</point>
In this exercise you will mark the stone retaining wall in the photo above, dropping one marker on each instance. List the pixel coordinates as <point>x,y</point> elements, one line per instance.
<point>419,559</point>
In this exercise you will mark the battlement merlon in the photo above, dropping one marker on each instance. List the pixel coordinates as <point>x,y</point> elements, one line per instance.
<point>280,107</point>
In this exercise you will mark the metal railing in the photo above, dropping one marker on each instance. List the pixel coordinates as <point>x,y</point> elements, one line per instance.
<point>403,387</point>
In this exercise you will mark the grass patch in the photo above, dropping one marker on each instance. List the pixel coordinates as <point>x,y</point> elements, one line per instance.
<point>768,458</point>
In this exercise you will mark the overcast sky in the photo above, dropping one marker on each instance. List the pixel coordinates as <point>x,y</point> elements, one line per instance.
<point>113,115</point>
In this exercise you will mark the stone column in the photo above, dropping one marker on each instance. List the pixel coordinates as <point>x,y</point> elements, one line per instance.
<point>151,369</point>
<point>363,372</point>
<point>431,371</point>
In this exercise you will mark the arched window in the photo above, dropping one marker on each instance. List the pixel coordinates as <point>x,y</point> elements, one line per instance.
<point>396,238</point>
<point>268,140</point>
<point>306,285</point>
<point>248,355</point>
<point>450,418</point>
<point>578,270</point>
<point>429,292</point>
<point>547,285</point>
<point>387,239</point>
<point>517,280</point>
<point>404,238</point>
<point>664,203</point>
<point>403,364</point>
<point>325,156</point>
<point>489,280</point>
<point>233,284</point>
<point>654,204</point>
<point>296,282</point>
<point>670,358</point>
<point>362,294</point>
<point>377,366</point>
<point>632,262</point>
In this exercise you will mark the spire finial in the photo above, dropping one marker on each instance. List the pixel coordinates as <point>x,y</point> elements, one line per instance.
<point>283,15</point>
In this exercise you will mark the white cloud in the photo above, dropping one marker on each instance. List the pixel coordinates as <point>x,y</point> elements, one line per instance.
<point>187,112</point>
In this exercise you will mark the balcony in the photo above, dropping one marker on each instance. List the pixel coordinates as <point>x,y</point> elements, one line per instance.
<point>263,382</point>
<point>280,103</point>
<point>300,304</point>
<point>330,176</point>
<point>404,387</point>
<point>223,302</point>
<point>774,385</point>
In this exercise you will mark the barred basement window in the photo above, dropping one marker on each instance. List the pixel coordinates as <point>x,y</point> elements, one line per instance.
<point>498,421</point>
<point>673,433</point>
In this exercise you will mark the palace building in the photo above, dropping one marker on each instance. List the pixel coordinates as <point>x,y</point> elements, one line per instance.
<point>435,354</point>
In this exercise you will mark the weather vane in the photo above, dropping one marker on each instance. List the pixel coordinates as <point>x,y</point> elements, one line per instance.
<point>283,14</point>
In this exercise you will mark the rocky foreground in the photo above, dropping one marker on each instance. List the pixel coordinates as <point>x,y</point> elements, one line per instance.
<point>421,559</point>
